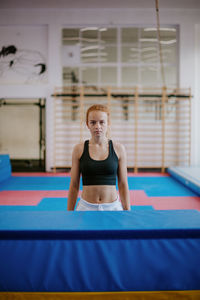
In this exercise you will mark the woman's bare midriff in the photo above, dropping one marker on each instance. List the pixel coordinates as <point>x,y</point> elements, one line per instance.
<point>99,193</point>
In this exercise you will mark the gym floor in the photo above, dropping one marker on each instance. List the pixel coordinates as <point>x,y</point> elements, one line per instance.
<point>48,192</point>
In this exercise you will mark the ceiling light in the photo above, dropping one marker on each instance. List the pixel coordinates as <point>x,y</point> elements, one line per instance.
<point>88,40</point>
<point>92,48</point>
<point>146,49</point>
<point>154,69</point>
<point>88,28</point>
<point>71,38</point>
<point>134,49</point>
<point>133,55</point>
<point>168,42</point>
<point>93,54</point>
<point>91,40</point>
<point>132,60</point>
<point>166,51</point>
<point>94,59</point>
<point>150,55</point>
<point>148,40</point>
<point>161,29</point>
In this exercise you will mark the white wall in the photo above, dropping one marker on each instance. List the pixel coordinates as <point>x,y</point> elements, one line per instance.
<point>196,109</point>
<point>187,19</point>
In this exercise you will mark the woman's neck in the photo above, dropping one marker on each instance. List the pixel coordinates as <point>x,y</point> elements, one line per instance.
<point>99,141</point>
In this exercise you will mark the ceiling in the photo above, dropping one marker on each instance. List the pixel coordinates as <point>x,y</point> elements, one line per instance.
<point>83,4</point>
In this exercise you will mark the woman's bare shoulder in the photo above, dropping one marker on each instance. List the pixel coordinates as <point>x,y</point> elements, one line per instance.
<point>78,149</point>
<point>119,148</point>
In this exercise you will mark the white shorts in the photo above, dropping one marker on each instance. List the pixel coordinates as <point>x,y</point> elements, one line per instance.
<point>84,205</point>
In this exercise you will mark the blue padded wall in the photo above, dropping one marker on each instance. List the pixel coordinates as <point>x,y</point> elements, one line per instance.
<point>5,167</point>
<point>186,179</point>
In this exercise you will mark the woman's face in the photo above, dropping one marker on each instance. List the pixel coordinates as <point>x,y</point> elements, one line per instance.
<point>98,123</point>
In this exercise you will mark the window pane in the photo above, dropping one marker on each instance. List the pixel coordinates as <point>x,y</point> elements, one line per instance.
<point>109,36</point>
<point>109,75</point>
<point>130,54</point>
<point>94,54</point>
<point>89,76</point>
<point>70,76</point>
<point>129,76</point>
<point>149,52</point>
<point>129,35</point>
<point>149,76</point>
<point>70,36</point>
<point>168,35</point>
<point>88,56</point>
<point>169,53</point>
<point>149,33</point>
<point>149,38</point>
<point>111,54</point>
<point>89,36</point>
<point>170,76</point>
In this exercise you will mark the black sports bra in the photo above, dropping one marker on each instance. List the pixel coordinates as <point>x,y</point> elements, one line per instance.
<point>99,172</point>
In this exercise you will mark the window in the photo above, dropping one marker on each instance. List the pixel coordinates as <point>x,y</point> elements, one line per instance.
<point>119,56</point>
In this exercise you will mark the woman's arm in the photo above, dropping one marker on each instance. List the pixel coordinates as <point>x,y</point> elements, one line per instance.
<point>75,179</point>
<point>122,178</point>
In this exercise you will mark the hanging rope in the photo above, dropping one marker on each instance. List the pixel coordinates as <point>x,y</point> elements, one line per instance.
<point>159,43</point>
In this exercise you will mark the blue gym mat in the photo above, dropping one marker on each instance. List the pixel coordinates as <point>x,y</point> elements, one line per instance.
<point>153,186</point>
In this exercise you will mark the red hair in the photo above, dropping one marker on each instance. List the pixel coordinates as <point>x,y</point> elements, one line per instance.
<point>98,107</point>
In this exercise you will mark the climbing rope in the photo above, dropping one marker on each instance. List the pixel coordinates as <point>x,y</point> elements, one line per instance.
<point>160,45</point>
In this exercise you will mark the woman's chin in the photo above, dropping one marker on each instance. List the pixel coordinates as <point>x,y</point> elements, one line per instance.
<point>98,133</point>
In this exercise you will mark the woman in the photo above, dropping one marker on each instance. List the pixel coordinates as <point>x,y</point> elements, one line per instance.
<point>100,161</point>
